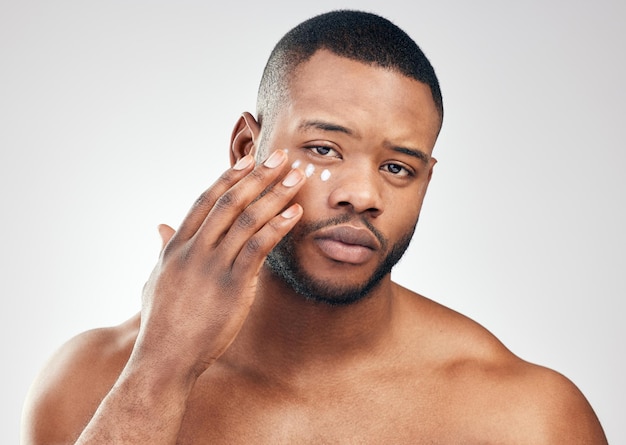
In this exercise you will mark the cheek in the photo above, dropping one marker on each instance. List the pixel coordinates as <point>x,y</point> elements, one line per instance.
<point>314,192</point>
<point>402,211</point>
<point>313,196</point>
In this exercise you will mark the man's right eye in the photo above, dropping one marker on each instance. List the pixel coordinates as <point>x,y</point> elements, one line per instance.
<point>323,150</point>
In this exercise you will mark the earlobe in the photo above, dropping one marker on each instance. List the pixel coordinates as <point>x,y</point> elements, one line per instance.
<point>244,137</point>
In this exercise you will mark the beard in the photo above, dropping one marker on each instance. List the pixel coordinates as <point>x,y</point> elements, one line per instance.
<point>283,263</point>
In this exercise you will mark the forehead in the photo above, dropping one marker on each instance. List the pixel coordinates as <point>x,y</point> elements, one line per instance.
<point>365,98</point>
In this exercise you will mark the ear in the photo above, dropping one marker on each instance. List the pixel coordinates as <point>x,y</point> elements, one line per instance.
<point>244,137</point>
<point>432,162</point>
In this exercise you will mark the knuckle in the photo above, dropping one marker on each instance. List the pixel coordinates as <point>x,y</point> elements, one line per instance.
<point>274,226</point>
<point>227,180</point>
<point>205,200</point>
<point>264,240</point>
<point>253,246</point>
<point>257,175</point>
<point>275,193</point>
<point>276,230</point>
<point>246,219</point>
<point>228,199</point>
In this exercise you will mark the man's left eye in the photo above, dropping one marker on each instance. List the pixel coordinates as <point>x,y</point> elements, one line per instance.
<point>396,169</point>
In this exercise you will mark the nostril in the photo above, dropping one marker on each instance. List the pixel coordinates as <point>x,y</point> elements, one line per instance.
<point>373,211</point>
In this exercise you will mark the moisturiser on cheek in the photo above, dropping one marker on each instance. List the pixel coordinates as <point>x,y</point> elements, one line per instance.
<point>308,171</point>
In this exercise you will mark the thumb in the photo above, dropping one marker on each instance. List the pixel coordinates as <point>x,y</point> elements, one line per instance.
<point>166,233</point>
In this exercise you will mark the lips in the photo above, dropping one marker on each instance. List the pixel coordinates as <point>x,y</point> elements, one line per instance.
<point>347,244</point>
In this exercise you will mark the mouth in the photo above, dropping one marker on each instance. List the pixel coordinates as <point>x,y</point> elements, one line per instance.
<point>347,244</point>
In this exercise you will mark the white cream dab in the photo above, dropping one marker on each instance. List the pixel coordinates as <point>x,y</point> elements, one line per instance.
<point>309,170</point>
<point>325,175</point>
<point>296,163</point>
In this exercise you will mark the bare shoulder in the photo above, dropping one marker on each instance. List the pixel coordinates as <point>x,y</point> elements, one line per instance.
<point>505,398</point>
<point>552,409</point>
<point>73,382</point>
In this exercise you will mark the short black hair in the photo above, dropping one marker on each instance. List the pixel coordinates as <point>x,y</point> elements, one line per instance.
<point>356,35</point>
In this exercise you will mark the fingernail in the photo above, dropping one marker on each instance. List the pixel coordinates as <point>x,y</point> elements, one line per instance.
<point>243,162</point>
<point>291,212</point>
<point>275,159</point>
<point>292,178</point>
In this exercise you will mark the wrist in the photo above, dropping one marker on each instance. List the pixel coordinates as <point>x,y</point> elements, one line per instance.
<point>158,375</point>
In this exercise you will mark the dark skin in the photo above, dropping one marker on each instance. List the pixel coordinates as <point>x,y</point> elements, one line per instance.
<point>227,352</point>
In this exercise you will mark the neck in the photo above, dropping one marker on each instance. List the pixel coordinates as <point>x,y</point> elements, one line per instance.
<point>285,333</point>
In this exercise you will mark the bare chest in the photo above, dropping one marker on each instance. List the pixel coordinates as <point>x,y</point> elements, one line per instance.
<point>404,412</point>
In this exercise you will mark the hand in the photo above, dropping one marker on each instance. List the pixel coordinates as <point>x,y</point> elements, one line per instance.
<point>200,292</point>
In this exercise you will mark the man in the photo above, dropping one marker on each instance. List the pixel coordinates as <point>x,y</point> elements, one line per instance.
<point>271,316</point>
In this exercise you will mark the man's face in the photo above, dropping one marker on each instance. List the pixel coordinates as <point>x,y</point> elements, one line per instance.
<point>364,135</point>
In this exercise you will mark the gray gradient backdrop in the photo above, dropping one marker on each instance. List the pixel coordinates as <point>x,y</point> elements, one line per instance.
<point>116,115</point>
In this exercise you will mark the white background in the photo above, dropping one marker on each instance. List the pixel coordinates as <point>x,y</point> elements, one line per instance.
<point>115,115</point>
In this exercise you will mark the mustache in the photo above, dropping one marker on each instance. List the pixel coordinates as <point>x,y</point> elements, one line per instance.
<point>309,227</point>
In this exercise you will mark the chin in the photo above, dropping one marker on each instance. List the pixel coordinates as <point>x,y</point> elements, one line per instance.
<point>321,290</point>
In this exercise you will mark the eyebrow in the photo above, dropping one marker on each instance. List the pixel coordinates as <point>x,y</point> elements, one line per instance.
<point>419,154</point>
<point>325,126</point>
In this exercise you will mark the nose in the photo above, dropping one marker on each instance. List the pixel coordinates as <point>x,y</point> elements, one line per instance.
<point>359,189</point>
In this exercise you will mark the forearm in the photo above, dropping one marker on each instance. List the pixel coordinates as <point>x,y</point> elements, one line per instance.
<point>143,406</point>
